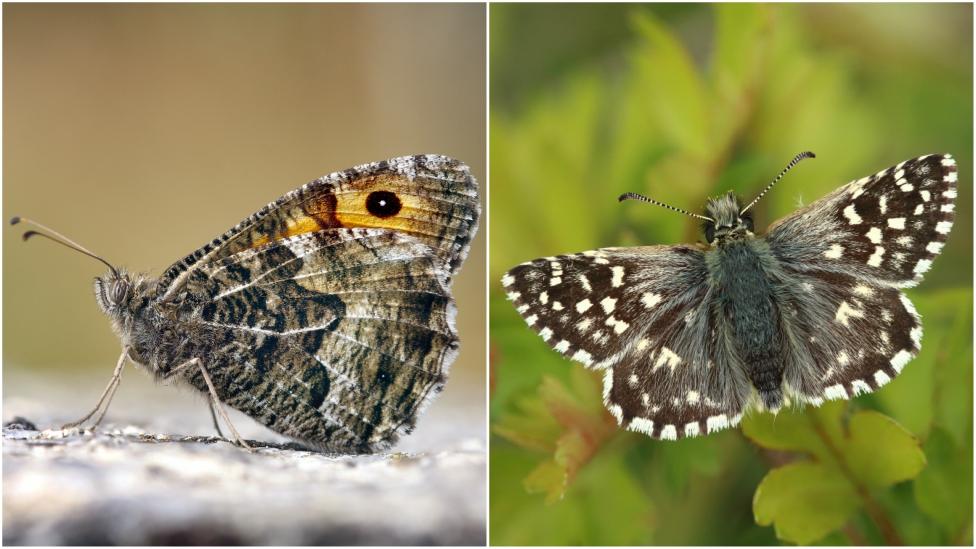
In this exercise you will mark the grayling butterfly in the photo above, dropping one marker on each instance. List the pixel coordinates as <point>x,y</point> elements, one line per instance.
<point>689,337</point>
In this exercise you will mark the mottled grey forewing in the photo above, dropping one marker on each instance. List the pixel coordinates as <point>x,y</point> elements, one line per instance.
<point>337,338</point>
<point>842,261</point>
<point>645,315</point>
<point>437,204</point>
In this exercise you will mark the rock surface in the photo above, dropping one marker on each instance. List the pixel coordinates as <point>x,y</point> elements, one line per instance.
<point>127,484</point>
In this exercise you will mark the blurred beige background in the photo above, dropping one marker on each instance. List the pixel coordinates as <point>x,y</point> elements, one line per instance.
<point>144,131</point>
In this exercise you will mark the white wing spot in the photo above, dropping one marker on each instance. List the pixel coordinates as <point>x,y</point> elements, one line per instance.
<point>948,207</point>
<point>512,296</point>
<point>951,193</point>
<point>608,304</point>
<point>583,325</point>
<point>845,311</point>
<point>716,423</point>
<point>650,299</point>
<point>881,378</point>
<point>900,359</point>
<point>667,358</point>
<point>619,326</point>
<point>633,380</point>
<point>645,399</point>
<point>546,333</point>
<point>692,397</point>
<point>522,308</point>
<point>555,281</point>
<point>943,227</point>
<point>919,209</point>
<point>950,178</point>
<point>585,282</point>
<point>583,357</point>
<point>843,359</point>
<point>562,346</point>
<point>875,259</point>
<point>851,214</point>
<point>530,320</point>
<point>618,276</point>
<point>544,298</point>
<point>835,391</point>
<point>899,174</point>
<point>859,387</point>
<point>916,335</point>
<point>905,241</point>
<point>883,203</point>
<point>948,161</point>
<point>835,252</point>
<point>557,306</point>
<point>691,429</point>
<point>897,223</point>
<point>926,196</point>
<point>934,247</point>
<point>669,433</point>
<point>601,261</point>
<point>907,187</point>
<point>874,235</point>
<point>641,425</point>
<point>922,266</point>
<point>863,290</point>
<point>642,344</point>
<point>583,306</point>
<point>616,412</point>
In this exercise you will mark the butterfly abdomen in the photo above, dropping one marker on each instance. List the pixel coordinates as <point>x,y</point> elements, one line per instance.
<point>748,306</point>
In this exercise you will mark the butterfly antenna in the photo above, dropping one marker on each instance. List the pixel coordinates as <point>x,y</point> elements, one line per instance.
<point>60,239</point>
<point>642,198</point>
<point>796,160</point>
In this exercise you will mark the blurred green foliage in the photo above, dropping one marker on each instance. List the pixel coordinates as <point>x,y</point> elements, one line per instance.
<point>683,102</point>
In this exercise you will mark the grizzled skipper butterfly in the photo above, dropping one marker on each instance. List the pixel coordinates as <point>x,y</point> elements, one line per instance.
<point>326,316</point>
<point>689,337</point>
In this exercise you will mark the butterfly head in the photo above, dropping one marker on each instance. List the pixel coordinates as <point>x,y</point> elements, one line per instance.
<point>113,291</point>
<point>726,220</point>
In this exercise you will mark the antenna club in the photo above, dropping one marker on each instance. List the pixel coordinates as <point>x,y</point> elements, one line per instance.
<point>15,220</point>
<point>29,234</point>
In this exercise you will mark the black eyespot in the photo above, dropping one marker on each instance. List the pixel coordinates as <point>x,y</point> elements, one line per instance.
<point>383,204</point>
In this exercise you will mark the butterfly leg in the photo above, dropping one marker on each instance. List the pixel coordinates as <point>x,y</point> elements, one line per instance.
<point>213,416</point>
<point>215,402</point>
<point>107,395</point>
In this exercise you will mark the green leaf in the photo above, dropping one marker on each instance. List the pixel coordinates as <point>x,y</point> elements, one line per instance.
<point>804,501</point>
<point>548,478</point>
<point>880,452</point>
<point>678,95</point>
<point>942,489</point>
<point>789,430</point>
<point>937,385</point>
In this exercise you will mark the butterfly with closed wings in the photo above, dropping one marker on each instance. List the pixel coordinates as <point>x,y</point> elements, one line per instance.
<point>691,336</point>
<point>327,315</point>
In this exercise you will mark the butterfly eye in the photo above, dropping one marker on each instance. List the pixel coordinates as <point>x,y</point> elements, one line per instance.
<point>747,222</point>
<point>383,204</point>
<point>120,289</point>
<point>709,231</point>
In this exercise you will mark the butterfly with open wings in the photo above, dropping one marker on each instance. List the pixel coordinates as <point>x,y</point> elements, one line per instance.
<point>691,336</point>
<point>326,316</point>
